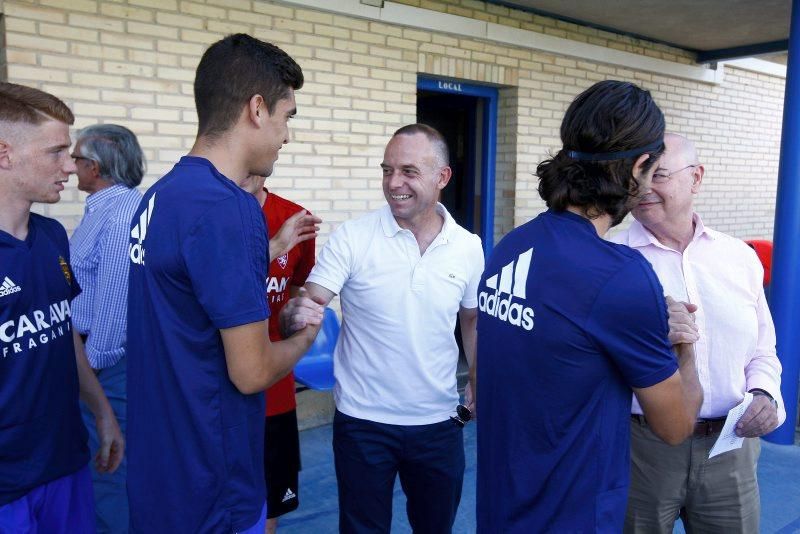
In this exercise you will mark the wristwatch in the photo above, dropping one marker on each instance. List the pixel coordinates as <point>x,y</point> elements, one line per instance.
<point>759,391</point>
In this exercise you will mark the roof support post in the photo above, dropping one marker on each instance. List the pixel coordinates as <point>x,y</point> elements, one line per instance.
<point>785,291</point>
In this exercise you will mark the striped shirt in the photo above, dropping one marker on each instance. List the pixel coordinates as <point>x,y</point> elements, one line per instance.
<point>99,250</point>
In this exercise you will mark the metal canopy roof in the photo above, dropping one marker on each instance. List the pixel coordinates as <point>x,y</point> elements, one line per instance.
<point>714,29</point>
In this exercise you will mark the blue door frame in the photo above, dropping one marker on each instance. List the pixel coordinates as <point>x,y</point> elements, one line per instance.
<point>785,290</point>
<point>489,97</point>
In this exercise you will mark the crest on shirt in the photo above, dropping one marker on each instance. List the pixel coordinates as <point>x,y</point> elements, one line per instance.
<point>283,260</point>
<point>65,269</point>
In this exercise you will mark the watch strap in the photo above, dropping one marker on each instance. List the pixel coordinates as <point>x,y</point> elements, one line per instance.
<point>759,391</point>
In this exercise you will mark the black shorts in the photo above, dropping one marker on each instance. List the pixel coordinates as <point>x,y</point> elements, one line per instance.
<point>281,463</point>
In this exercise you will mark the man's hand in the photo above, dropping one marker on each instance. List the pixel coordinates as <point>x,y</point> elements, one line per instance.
<point>300,312</point>
<point>760,418</point>
<point>112,445</point>
<point>469,399</point>
<point>682,328</point>
<point>300,227</point>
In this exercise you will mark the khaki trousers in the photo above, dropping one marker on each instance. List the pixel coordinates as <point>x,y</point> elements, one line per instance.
<point>717,495</point>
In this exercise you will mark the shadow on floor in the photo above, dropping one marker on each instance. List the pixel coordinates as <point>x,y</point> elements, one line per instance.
<point>778,473</point>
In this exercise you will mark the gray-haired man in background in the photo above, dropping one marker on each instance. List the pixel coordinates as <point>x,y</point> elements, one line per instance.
<point>110,165</point>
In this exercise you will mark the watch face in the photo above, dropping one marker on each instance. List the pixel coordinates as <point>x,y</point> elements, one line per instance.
<point>462,417</point>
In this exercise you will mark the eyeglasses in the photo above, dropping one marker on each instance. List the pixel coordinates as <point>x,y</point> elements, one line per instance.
<point>462,417</point>
<point>660,177</point>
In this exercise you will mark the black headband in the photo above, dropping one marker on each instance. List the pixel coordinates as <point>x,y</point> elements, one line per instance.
<point>608,156</point>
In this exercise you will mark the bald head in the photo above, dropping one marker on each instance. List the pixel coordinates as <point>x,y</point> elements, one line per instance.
<point>680,147</point>
<point>437,140</point>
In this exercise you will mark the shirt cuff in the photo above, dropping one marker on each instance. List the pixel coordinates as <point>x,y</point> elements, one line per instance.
<point>760,382</point>
<point>100,359</point>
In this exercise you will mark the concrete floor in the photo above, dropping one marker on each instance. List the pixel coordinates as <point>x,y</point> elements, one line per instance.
<point>778,471</point>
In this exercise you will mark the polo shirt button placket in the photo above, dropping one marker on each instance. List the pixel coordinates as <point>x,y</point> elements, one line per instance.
<point>418,277</point>
<point>417,264</point>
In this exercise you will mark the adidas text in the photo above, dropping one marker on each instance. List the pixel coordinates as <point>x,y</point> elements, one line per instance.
<point>136,250</point>
<point>505,310</point>
<point>8,287</point>
<point>512,282</point>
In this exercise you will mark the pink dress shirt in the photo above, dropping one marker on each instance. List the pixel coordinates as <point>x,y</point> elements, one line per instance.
<point>722,275</point>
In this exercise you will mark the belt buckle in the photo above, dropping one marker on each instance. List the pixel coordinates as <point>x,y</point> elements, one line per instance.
<point>701,428</point>
<point>706,428</point>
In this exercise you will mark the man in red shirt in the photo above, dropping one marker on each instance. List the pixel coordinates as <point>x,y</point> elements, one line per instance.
<point>292,232</point>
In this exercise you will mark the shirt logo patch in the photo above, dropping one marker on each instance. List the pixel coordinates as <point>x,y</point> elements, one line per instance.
<point>139,232</point>
<point>65,269</point>
<point>35,328</point>
<point>276,288</point>
<point>513,281</point>
<point>283,260</point>
<point>8,287</point>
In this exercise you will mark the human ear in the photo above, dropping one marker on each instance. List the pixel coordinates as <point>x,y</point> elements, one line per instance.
<point>256,108</point>
<point>444,177</point>
<point>95,169</point>
<point>5,155</point>
<point>640,163</point>
<point>697,178</point>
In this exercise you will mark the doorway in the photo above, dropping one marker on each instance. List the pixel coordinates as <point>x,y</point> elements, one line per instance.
<point>466,115</point>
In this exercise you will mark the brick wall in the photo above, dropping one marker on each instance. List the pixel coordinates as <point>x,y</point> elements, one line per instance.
<point>506,168</point>
<point>132,62</point>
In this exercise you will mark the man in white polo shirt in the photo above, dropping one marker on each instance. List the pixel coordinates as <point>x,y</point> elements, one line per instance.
<point>404,273</point>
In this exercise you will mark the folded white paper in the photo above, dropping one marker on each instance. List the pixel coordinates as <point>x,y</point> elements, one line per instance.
<point>728,440</point>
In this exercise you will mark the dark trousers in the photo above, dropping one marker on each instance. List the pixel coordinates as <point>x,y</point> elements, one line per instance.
<point>368,458</point>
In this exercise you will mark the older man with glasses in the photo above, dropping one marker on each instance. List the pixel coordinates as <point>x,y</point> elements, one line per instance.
<point>110,165</point>
<point>735,355</point>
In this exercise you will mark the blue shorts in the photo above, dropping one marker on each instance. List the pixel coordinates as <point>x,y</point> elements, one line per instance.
<point>62,506</point>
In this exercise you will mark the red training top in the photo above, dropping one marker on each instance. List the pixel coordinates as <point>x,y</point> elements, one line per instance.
<point>285,271</point>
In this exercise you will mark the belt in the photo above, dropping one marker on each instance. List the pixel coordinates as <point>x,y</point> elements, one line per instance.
<point>703,427</point>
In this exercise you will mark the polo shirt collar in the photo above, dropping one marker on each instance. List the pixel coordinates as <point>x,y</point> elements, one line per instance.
<point>639,236</point>
<point>391,228</point>
<point>96,200</point>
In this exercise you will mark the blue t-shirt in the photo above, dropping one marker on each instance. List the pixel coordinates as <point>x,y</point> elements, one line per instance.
<point>42,436</point>
<point>568,323</point>
<point>198,253</point>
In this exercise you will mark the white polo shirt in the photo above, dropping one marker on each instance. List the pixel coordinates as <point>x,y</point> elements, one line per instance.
<point>395,360</point>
